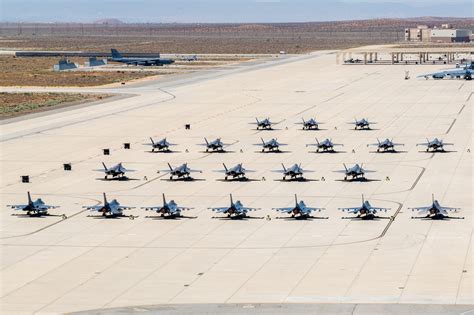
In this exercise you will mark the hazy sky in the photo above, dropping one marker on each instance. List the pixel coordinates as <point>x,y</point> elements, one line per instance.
<point>226,10</point>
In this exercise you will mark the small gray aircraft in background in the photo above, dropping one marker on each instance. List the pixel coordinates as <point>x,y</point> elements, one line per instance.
<point>435,145</point>
<point>435,211</point>
<point>236,210</point>
<point>295,172</point>
<point>465,72</point>
<point>325,146</point>
<point>362,124</point>
<point>310,124</point>
<point>169,209</point>
<point>299,210</point>
<point>214,146</point>
<point>386,145</point>
<point>140,61</point>
<point>365,211</point>
<point>236,172</point>
<point>111,209</point>
<point>264,124</point>
<point>181,172</point>
<point>161,146</point>
<point>116,171</point>
<point>35,208</point>
<point>271,145</point>
<point>356,172</point>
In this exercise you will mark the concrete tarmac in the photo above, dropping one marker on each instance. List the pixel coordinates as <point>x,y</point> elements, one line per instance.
<point>50,265</point>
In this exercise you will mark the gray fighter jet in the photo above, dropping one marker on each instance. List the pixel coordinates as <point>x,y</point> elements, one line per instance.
<point>169,209</point>
<point>264,124</point>
<point>356,172</point>
<point>35,208</point>
<point>435,145</point>
<point>310,124</point>
<point>271,145</point>
<point>365,211</point>
<point>116,171</point>
<point>300,210</point>
<point>236,210</point>
<point>137,61</point>
<point>465,73</point>
<point>325,146</point>
<point>295,172</point>
<point>111,209</point>
<point>361,124</point>
<point>161,146</point>
<point>182,171</point>
<point>214,146</point>
<point>435,211</point>
<point>236,172</point>
<point>386,145</point>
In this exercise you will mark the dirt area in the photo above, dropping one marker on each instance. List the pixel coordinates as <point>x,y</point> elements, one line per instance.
<point>17,104</point>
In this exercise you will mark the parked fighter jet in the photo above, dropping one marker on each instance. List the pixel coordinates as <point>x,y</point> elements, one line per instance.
<point>111,209</point>
<point>352,60</point>
<point>235,211</point>
<point>271,146</point>
<point>300,210</point>
<point>182,171</point>
<point>116,171</point>
<point>189,58</point>
<point>153,61</point>
<point>169,209</point>
<point>356,172</point>
<point>460,73</point>
<point>35,208</point>
<point>215,145</point>
<point>435,211</point>
<point>161,146</point>
<point>386,145</point>
<point>295,172</point>
<point>435,145</point>
<point>361,124</point>
<point>264,124</point>
<point>366,211</point>
<point>309,124</point>
<point>326,145</point>
<point>236,172</point>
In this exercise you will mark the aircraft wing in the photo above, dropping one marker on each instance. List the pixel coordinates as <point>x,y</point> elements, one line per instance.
<point>248,209</point>
<point>94,208</point>
<point>351,210</point>
<point>47,207</point>
<point>17,207</point>
<point>125,207</point>
<point>286,210</point>
<point>152,208</point>
<point>421,209</point>
<point>184,208</point>
<point>310,209</point>
<point>450,209</point>
<point>220,210</point>
<point>379,209</point>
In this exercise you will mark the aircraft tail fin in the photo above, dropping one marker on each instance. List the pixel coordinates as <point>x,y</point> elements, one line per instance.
<point>169,165</point>
<point>105,199</point>
<point>29,198</point>
<point>151,139</point>
<point>105,167</point>
<point>115,53</point>
<point>432,198</point>
<point>317,141</point>
<point>231,200</point>
<point>262,141</point>
<point>258,122</point>
<point>225,167</point>
<point>207,142</point>
<point>378,140</point>
<point>344,166</point>
<point>284,168</point>
<point>363,200</point>
<point>296,200</point>
<point>164,199</point>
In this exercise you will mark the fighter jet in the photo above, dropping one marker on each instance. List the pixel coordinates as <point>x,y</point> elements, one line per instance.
<point>169,209</point>
<point>361,124</point>
<point>352,60</point>
<point>215,146</point>
<point>310,124</point>
<point>356,172</point>
<point>326,145</point>
<point>271,146</point>
<point>116,171</point>
<point>235,211</point>
<point>111,209</point>
<point>236,172</point>
<point>435,211</point>
<point>189,58</point>
<point>161,146</point>
<point>465,73</point>
<point>295,172</point>
<point>300,210</point>
<point>366,211</point>
<point>386,145</point>
<point>35,208</point>
<point>182,171</point>
<point>435,145</point>
<point>153,61</point>
<point>264,124</point>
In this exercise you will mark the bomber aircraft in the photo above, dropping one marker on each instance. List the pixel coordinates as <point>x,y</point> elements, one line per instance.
<point>326,146</point>
<point>161,146</point>
<point>182,171</point>
<point>116,171</point>
<point>295,172</point>
<point>236,210</point>
<point>386,145</point>
<point>169,209</point>
<point>366,211</point>
<point>236,172</point>
<point>271,145</point>
<point>310,124</point>
<point>436,145</point>
<point>435,211</point>
<point>362,124</point>
<point>140,61</point>
<point>356,172</point>
<point>300,210</point>
<point>111,209</point>
<point>35,208</point>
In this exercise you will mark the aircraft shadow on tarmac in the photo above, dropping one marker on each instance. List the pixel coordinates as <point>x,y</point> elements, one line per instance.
<point>438,152</point>
<point>388,152</point>
<point>241,180</point>
<point>184,179</point>
<point>377,218</point>
<point>441,219</point>
<point>169,217</point>
<point>301,218</point>
<point>360,180</point>
<point>273,152</point>
<point>238,218</point>
<point>164,152</point>
<point>216,152</point>
<point>319,129</point>
<point>117,179</point>
<point>109,217</point>
<point>370,129</point>
<point>297,180</point>
<point>327,152</point>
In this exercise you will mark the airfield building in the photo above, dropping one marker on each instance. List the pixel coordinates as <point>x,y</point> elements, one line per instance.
<point>445,34</point>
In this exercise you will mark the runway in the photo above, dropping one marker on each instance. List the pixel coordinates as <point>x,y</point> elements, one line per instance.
<point>50,265</point>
